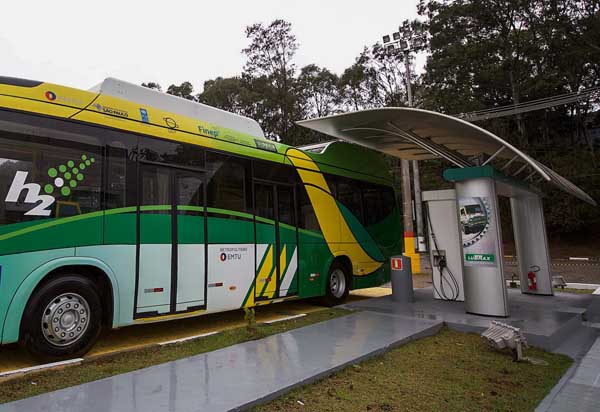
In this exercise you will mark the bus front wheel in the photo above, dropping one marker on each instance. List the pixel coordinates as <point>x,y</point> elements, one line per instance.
<point>63,318</point>
<point>338,284</point>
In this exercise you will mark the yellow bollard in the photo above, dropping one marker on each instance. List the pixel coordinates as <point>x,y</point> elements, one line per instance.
<point>409,250</point>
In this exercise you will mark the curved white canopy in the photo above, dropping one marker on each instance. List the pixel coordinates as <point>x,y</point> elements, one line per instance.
<point>417,134</point>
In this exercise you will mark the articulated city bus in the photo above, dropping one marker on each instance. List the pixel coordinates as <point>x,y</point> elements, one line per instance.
<point>122,205</point>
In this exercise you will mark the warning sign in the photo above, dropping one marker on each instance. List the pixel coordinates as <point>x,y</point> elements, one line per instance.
<point>396,263</point>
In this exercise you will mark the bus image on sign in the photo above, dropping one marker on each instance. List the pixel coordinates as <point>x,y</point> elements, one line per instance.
<point>123,205</point>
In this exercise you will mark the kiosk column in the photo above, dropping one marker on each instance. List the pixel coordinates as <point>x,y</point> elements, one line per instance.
<point>478,213</point>
<point>531,243</point>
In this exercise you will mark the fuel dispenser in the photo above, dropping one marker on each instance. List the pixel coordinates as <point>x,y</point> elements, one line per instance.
<point>445,251</point>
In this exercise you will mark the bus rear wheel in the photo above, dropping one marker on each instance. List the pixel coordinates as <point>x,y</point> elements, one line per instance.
<point>63,318</point>
<point>338,284</point>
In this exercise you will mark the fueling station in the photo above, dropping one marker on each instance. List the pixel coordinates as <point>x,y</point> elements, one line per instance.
<point>465,236</point>
<point>466,253</point>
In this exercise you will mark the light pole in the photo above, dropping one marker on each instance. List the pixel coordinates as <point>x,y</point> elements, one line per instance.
<point>407,41</point>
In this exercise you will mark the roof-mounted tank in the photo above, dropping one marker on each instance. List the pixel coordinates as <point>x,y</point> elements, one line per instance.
<point>149,97</point>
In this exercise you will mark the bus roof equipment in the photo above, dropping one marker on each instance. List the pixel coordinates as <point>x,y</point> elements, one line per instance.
<point>174,104</point>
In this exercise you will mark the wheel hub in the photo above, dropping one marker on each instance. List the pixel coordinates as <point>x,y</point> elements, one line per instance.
<point>65,319</point>
<point>337,283</point>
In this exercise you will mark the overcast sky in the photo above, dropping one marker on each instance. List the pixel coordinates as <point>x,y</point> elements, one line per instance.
<point>78,43</point>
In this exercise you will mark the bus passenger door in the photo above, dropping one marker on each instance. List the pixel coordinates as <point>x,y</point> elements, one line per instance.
<point>265,283</point>
<point>190,225</point>
<point>287,240</point>
<point>171,274</point>
<point>276,241</point>
<point>155,240</point>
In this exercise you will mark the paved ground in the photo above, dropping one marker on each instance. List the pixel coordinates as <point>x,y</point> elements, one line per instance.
<point>580,389</point>
<point>241,375</point>
<point>553,323</point>
<point>13,357</point>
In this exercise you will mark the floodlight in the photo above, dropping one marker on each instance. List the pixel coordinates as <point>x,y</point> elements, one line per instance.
<point>386,39</point>
<point>404,44</point>
<point>390,48</point>
<point>396,36</point>
<point>501,335</point>
<point>419,42</point>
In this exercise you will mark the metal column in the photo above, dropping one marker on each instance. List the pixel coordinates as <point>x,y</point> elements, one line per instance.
<point>420,232</point>
<point>532,244</point>
<point>479,217</point>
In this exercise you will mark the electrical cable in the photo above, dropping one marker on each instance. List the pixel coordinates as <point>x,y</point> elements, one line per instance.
<point>529,106</point>
<point>442,264</point>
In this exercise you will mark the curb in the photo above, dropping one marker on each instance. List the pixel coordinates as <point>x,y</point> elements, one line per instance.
<point>37,368</point>
<point>270,322</point>
<point>7,375</point>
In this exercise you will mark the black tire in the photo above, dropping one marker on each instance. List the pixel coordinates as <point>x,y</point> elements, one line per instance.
<point>62,301</point>
<point>333,295</point>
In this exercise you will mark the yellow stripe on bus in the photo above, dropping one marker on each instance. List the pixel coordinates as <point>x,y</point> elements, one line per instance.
<point>337,233</point>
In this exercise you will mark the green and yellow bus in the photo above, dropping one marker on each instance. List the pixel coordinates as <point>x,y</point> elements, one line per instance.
<point>122,205</point>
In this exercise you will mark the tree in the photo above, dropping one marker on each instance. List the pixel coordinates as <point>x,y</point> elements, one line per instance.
<point>319,90</point>
<point>184,90</point>
<point>353,86</point>
<point>230,94</point>
<point>487,53</point>
<point>270,65</point>
<point>153,85</point>
<point>376,79</point>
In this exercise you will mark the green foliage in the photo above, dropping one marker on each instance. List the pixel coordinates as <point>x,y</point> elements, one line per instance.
<point>153,85</point>
<point>482,54</point>
<point>233,94</point>
<point>250,318</point>
<point>318,89</point>
<point>184,90</point>
<point>488,53</point>
<point>270,69</point>
<point>565,214</point>
<point>273,92</point>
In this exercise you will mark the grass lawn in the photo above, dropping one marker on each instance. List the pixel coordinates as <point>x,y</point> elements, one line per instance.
<point>451,371</point>
<point>41,382</point>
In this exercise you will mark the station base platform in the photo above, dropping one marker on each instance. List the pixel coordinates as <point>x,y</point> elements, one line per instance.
<point>240,376</point>
<point>244,375</point>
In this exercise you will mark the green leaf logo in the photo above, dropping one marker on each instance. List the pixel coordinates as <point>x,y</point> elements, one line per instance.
<point>66,176</point>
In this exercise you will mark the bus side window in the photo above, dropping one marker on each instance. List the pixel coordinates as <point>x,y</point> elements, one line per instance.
<point>348,193</point>
<point>121,181</point>
<point>379,202</point>
<point>272,171</point>
<point>55,168</point>
<point>228,183</point>
<point>307,218</point>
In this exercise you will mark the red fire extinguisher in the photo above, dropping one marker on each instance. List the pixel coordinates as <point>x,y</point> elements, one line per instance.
<point>531,277</point>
